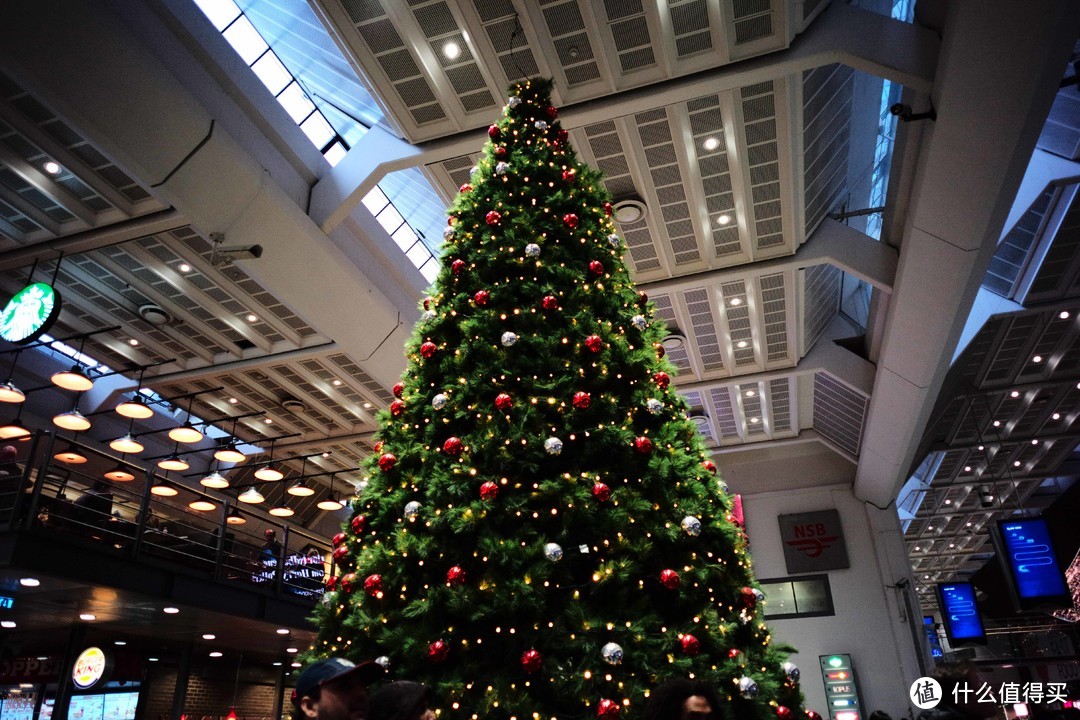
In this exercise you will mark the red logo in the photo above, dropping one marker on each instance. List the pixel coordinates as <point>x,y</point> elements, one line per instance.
<point>813,547</point>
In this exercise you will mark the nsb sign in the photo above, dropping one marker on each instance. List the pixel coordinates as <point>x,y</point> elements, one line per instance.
<point>813,541</point>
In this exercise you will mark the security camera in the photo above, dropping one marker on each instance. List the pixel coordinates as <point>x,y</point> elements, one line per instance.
<point>241,252</point>
<point>986,498</point>
<point>899,109</point>
<point>904,112</point>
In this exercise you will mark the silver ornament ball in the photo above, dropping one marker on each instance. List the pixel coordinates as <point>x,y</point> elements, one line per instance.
<point>747,687</point>
<point>532,250</point>
<point>383,661</point>
<point>541,125</point>
<point>429,315</point>
<point>448,233</point>
<point>501,168</point>
<point>691,525</point>
<point>508,338</point>
<point>791,670</point>
<point>759,597</point>
<point>654,406</point>
<point>723,487</point>
<point>614,240</point>
<point>553,552</point>
<point>439,401</point>
<point>412,509</point>
<point>514,101</point>
<point>553,445</point>
<point>612,653</point>
<point>639,322</point>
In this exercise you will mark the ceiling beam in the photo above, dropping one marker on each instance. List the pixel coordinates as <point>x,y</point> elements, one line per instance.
<point>47,185</point>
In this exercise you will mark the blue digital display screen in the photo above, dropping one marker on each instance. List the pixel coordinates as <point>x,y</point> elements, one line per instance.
<point>961,613</point>
<point>931,634</point>
<point>1031,559</point>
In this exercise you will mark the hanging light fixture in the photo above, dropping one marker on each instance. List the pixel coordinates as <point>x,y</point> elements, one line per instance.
<point>281,509</point>
<point>8,392</point>
<point>202,505</point>
<point>119,474</point>
<point>173,461</point>
<point>127,444</point>
<point>186,433</point>
<point>230,454</point>
<point>72,420</point>
<point>14,430</point>
<point>74,379</point>
<point>70,455</point>
<point>235,518</point>
<point>251,496</point>
<point>268,472</point>
<point>215,480</point>
<point>135,408</point>
<point>163,488</point>
<point>331,501</point>
<point>300,488</point>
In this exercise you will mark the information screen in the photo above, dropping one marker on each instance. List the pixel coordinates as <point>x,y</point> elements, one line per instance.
<point>1030,561</point>
<point>960,612</point>
<point>105,706</point>
<point>930,627</point>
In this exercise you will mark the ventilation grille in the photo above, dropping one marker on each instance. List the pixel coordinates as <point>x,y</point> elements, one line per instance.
<point>1058,277</point>
<point>437,23</point>
<point>1061,132</point>
<point>369,383</point>
<point>753,20</point>
<point>630,34</point>
<point>780,405</point>
<point>703,323</point>
<point>572,44</point>
<point>821,285</point>
<point>827,103</point>
<point>1011,348</point>
<point>726,423</point>
<point>679,357</point>
<point>1012,253</point>
<point>762,157</point>
<point>654,132</point>
<point>459,169</point>
<point>714,173</point>
<point>740,333</point>
<point>508,38</point>
<point>839,412</point>
<point>752,410</point>
<point>690,25</point>
<point>773,294</point>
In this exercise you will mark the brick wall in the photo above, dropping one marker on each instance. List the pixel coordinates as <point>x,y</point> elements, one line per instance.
<point>208,697</point>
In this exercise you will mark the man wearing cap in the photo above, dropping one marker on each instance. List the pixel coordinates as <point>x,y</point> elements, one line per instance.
<point>334,689</point>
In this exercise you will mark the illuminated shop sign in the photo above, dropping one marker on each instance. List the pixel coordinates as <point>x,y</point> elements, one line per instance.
<point>29,313</point>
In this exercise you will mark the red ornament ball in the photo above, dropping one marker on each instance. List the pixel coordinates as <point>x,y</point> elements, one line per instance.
<point>608,209</point>
<point>660,351</point>
<point>348,582</point>
<point>387,461</point>
<point>531,661</point>
<point>331,583</point>
<point>607,709</point>
<point>690,645</point>
<point>642,445</point>
<point>783,713</point>
<point>398,389</point>
<point>450,220</point>
<point>570,219</point>
<point>340,553</point>
<point>373,584</point>
<point>734,653</point>
<point>594,343</point>
<point>662,379</point>
<point>457,266</point>
<point>493,217</point>
<point>552,112</point>
<point>437,651</point>
<point>596,268</point>
<point>338,539</point>
<point>489,491</point>
<point>455,576</point>
<point>493,132</point>
<point>601,492</point>
<point>500,151</point>
<point>569,175</point>
<point>452,446</point>
<point>710,466</point>
<point>465,188</point>
<point>642,299</point>
<point>428,349</point>
<point>562,137</point>
<point>582,400</point>
<point>481,297</point>
<point>379,446</point>
<point>358,524</point>
<point>747,597</point>
<point>669,579</point>
<point>550,302</point>
<point>397,407</point>
<point>503,401</point>
<point>812,715</point>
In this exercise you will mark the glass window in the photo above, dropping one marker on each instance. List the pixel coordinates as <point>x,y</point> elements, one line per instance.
<point>779,598</point>
<point>430,269</point>
<point>404,237</point>
<point>318,130</point>
<point>296,102</point>
<point>418,254</point>
<point>219,12</point>
<point>274,76</point>
<point>335,153</point>
<point>812,596</point>
<point>375,201</point>
<point>803,596</point>
<point>245,40</point>
<point>390,219</point>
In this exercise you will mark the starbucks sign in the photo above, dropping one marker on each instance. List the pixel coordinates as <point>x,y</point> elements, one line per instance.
<point>29,313</point>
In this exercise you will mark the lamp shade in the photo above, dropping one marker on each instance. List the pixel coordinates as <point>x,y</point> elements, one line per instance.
<point>282,511</point>
<point>13,430</point>
<point>215,480</point>
<point>330,502</point>
<point>235,518</point>
<point>300,489</point>
<point>202,505</point>
<point>135,408</point>
<point>163,489</point>
<point>251,496</point>
<point>173,462</point>
<point>126,444</point>
<point>119,474</point>
<point>71,456</point>
<point>73,379</point>
<point>269,472</point>
<point>11,394</point>
<point>186,434</point>
<point>72,420</point>
<point>229,454</point>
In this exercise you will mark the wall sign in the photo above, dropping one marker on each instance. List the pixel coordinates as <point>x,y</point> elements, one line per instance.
<point>813,541</point>
<point>29,313</point>
<point>90,667</point>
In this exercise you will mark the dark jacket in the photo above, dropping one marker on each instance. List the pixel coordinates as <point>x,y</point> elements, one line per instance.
<point>401,700</point>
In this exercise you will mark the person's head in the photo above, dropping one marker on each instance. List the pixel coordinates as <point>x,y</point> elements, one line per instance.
<point>681,699</point>
<point>953,675</point>
<point>100,486</point>
<point>334,689</point>
<point>270,534</point>
<point>402,700</point>
<point>8,454</point>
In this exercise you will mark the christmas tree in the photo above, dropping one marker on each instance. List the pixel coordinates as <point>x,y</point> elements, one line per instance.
<point>542,534</point>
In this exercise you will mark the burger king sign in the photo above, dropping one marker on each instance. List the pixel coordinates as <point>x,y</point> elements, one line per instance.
<point>90,667</point>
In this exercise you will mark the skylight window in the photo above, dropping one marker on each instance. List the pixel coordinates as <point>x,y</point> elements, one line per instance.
<point>246,40</point>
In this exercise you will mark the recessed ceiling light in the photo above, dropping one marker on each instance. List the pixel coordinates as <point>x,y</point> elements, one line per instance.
<point>277,664</point>
<point>132,342</point>
<point>755,420</point>
<point>283,631</point>
<point>750,393</point>
<point>917,549</point>
<point>982,447</point>
<point>951,545</point>
<point>741,344</point>
<point>292,650</point>
<point>368,406</point>
<point>7,623</point>
<point>295,664</point>
<point>1064,315</point>
<point>337,383</point>
<point>232,401</point>
<point>151,659</point>
<point>968,524</point>
<point>87,616</point>
<point>1035,441</point>
<point>216,653</point>
<point>724,219</point>
<point>1016,463</point>
<point>967,468</point>
<point>51,167</point>
<point>1055,416</point>
<point>121,643</point>
<point>931,528</point>
<point>997,423</point>
<point>184,267</point>
<point>1037,359</point>
<point>268,421</point>
<point>1015,394</point>
<point>711,143</point>
<point>451,50</point>
<point>926,577</point>
<point>170,610</point>
<point>948,501</point>
<point>29,582</point>
<point>735,301</point>
<point>209,636</point>
<point>252,317</point>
